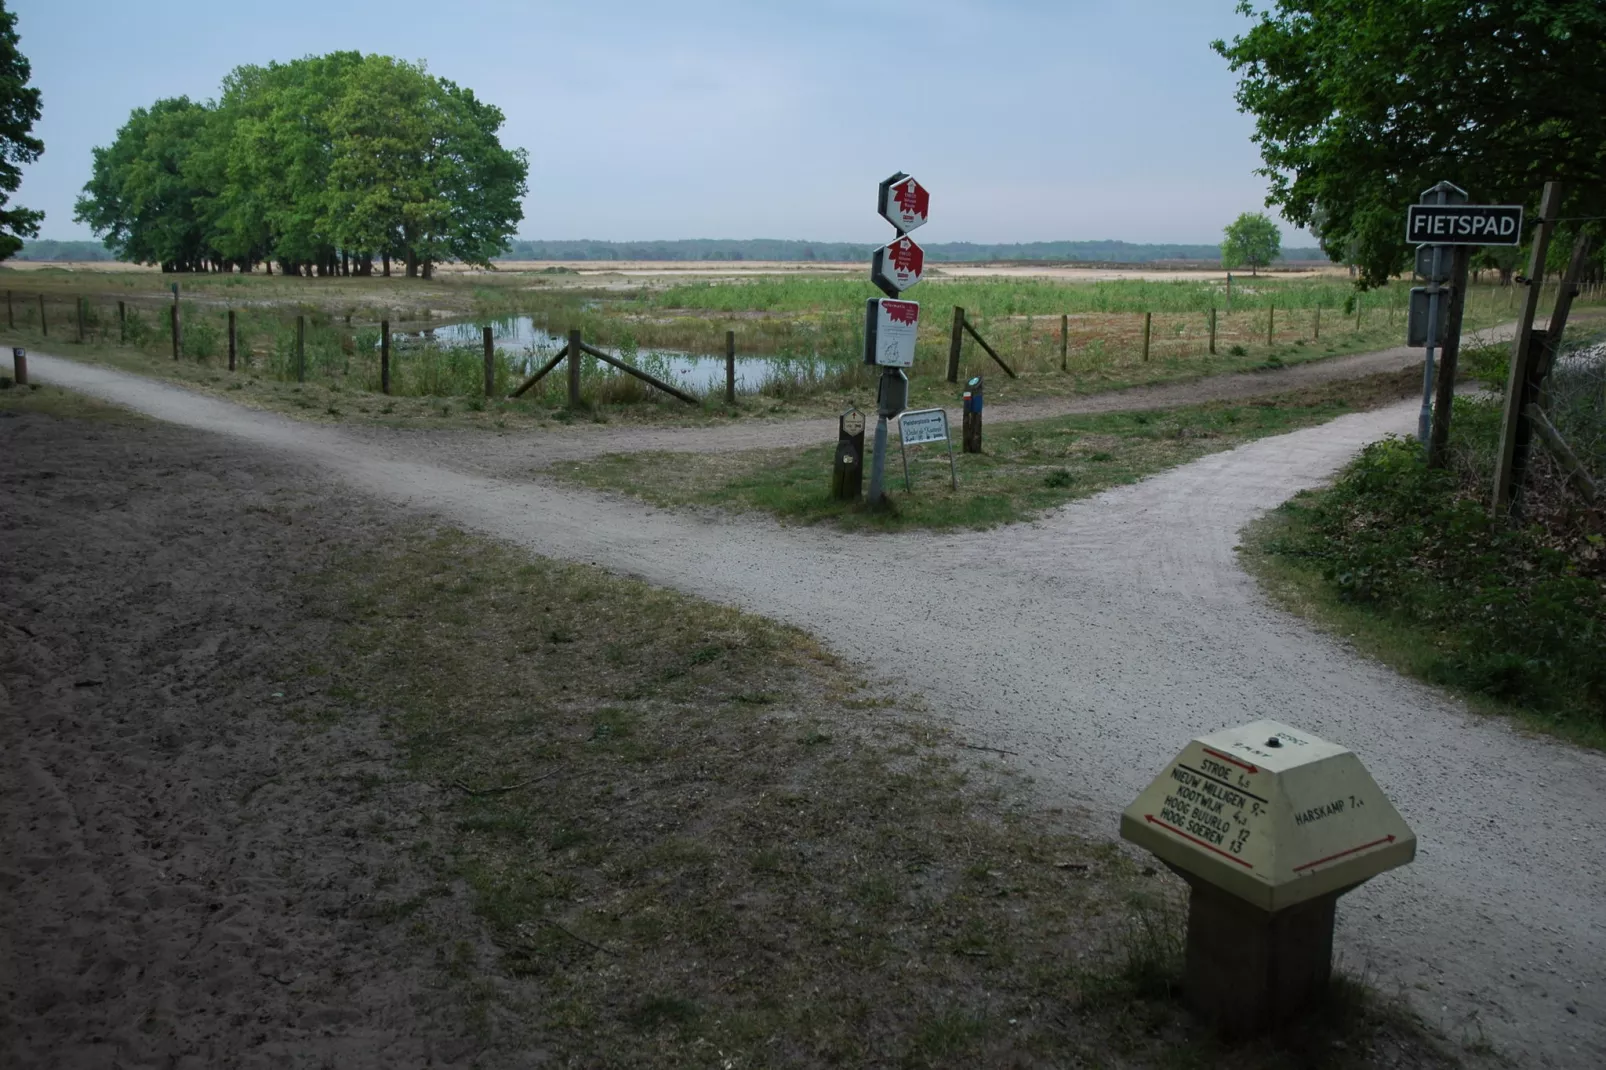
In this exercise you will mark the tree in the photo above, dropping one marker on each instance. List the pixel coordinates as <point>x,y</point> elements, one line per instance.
<point>1360,107</point>
<point>19,110</point>
<point>1251,239</point>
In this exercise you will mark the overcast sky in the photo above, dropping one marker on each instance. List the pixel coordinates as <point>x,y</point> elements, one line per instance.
<point>1029,120</point>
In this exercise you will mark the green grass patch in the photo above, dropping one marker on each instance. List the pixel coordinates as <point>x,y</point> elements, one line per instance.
<point>54,401</point>
<point>1026,469</point>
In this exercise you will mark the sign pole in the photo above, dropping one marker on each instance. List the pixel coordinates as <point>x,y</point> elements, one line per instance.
<point>1449,357</point>
<point>1440,193</point>
<point>891,325</point>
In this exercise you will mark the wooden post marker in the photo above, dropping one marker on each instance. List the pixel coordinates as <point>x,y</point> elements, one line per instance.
<point>730,369</point>
<point>44,328</point>
<point>80,309</point>
<point>956,343</point>
<point>574,369</point>
<point>19,365</point>
<point>1148,320</point>
<point>1212,330</point>
<point>231,339</point>
<point>1271,321</point>
<point>122,323</point>
<point>1269,825</point>
<point>490,361</point>
<point>970,429</point>
<point>384,356</point>
<point>847,472</point>
<point>172,324</point>
<point>301,346</point>
<point>1065,341</point>
<point>1316,325</point>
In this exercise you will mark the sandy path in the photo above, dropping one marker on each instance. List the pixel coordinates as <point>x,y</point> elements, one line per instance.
<point>517,455</point>
<point>1092,644</point>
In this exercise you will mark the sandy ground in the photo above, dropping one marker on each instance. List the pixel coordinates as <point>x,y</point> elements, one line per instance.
<point>1090,646</point>
<point>183,882</point>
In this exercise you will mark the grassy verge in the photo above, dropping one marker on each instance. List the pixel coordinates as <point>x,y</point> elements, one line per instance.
<point>695,838</point>
<point>1027,468</point>
<point>1408,564</point>
<point>64,404</point>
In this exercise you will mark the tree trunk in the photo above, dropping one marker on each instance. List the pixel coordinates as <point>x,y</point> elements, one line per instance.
<point>385,260</point>
<point>412,263</point>
<point>1505,275</point>
<point>429,268</point>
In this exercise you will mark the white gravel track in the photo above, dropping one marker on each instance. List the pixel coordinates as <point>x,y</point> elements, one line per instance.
<point>1091,645</point>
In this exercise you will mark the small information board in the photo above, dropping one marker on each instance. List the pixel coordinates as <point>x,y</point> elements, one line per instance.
<point>917,427</point>
<point>1270,814</point>
<point>1464,224</point>
<point>890,327</point>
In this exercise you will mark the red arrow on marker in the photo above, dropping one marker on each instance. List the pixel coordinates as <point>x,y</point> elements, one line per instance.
<point>1151,819</point>
<point>1341,854</point>
<point>1234,761</point>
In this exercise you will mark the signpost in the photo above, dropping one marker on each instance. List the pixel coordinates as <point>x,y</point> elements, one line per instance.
<point>920,426</point>
<point>1269,825</point>
<point>890,324</point>
<point>847,473</point>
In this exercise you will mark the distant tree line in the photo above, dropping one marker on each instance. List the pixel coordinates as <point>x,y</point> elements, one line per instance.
<point>325,165</point>
<point>779,249</point>
<point>49,250</point>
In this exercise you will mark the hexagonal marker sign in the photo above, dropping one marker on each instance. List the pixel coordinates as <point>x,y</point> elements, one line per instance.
<point>897,266</point>
<point>1270,814</point>
<point>903,202</point>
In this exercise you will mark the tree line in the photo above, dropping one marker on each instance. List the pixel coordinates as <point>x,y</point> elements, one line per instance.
<point>1070,252</point>
<point>327,165</point>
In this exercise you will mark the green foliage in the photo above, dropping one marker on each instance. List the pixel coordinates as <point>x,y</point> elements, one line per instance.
<point>1360,107</point>
<point>19,110</point>
<point>300,163</point>
<point>1514,614</point>
<point>1251,239</point>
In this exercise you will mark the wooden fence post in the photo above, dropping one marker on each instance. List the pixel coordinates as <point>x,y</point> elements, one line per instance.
<point>955,344</point>
<point>122,323</point>
<point>1271,321</point>
<point>44,328</point>
<point>82,301</point>
<point>231,339</point>
<point>574,369</point>
<point>1212,330</point>
<point>490,361</point>
<point>384,356</point>
<point>178,325</point>
<point>1229,293</point>
<point>172,322</point>
<point>1360,307</point>
<point>1148,318</point>
<point>301,347</point>
<point>1317,329</point>
<point>1065,341</point>
<point>730,367</point>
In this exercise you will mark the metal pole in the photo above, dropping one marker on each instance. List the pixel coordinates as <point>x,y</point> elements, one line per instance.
<point>1424,420</point>
<point>878,457</point>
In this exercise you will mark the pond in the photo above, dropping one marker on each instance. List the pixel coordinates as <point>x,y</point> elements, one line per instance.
<point>532,345</point>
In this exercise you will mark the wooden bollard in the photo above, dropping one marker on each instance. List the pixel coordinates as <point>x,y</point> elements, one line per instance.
<point>574,369</point>
<point>231,339</point>
<point>1148,319</point>
<point>384,356</point>
<point>301,349</point>
<point>730,367</point>
<point>1065,342</point>
<point>1212,330</point>
<point>172,322</point>
<point>44,328</point>
<point>970,430</point>
<point>490,361</point>
<point>19,365</point>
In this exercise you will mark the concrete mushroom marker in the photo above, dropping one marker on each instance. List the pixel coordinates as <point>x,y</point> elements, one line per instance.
<point>1269,825</point>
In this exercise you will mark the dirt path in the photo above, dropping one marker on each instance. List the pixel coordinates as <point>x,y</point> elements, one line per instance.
<point>517,455</point>
<point>1090,646</point>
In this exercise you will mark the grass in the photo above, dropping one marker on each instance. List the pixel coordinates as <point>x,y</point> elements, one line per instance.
<point>693,836</point>
<point>63,404</point>
<point>1027,468</point>
<point>812,323</point>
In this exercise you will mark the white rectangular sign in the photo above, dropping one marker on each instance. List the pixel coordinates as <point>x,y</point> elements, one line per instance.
<point>919,426</point>
<point>889,332</point>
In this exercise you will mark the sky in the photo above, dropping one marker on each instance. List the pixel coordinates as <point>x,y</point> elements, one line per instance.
<point>1027,120</point>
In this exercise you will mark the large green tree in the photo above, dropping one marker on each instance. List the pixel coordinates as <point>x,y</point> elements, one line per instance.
<point>1360,106</point>
<point>19,110</point>
<point>320,165</point>
<point>1251,239</point>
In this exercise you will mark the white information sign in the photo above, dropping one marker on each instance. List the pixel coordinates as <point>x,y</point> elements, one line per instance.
<point>903,202</point>
<point>889,332</point>
<point>919,426</point>
<point>1270,814</point>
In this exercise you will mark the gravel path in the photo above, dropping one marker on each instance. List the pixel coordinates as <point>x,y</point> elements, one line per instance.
<point>1091,645</point>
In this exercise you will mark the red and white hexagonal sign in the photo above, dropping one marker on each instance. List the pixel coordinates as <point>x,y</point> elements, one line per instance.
<point>903,202</point>
<point>897,266</point>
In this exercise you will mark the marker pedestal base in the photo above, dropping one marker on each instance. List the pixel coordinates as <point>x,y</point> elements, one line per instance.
<point>1250,970</point>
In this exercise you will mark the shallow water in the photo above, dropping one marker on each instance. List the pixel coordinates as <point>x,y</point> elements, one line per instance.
<point>701,373</point>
